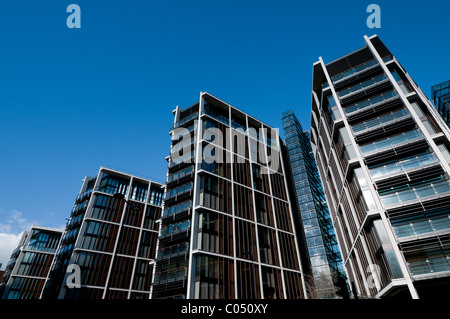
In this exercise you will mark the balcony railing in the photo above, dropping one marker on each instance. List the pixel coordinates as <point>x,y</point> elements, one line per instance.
<point>185,120</point>
<point>173,252</point>
<point>390,141</point>
<point>403,165</point>
<point>362,85</point>
<point>176,192</point>
<point>371,103</point>
<point>170,276</point>
<point>42,249</point>
<point>223,118</point>
<point>429,266</point>
<point>417,193</point>
<point>382,120</point>
<point>423,227</point>
<point>354,71</point>
<point>79,208</point>
<point>16,252</point>
<point>175,229</point>
<point>176,209</point>
<point>83,196</point>
<point>179,175</point>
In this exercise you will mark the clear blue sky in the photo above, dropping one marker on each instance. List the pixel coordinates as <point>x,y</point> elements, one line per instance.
<point>72,100</point>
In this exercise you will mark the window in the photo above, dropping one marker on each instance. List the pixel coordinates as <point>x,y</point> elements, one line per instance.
<point>147,245</point>
<point>156,195</point>
<point>139,191</point>
<point>361,186</point>
<point>99,236</point>
<point>404,86</point>
<point>444,150</point>
<point>107,208</point>
<point>152,214</point>
<point>212,278</point>
<point>113,184</point>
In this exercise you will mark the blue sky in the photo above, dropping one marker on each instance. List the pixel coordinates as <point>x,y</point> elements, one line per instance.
<point>72,100</point>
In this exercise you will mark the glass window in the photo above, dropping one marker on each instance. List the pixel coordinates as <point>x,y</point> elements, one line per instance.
<point>444,151</point>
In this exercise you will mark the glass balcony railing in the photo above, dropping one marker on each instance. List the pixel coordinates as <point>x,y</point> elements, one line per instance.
<point>83,196</point>
<point>390,141</point>
<point>177,209</point>
<point>174,193</point>
<point>381,120</point>
<point>173,251</point>
<point>429,266</point>
<point>187,158</point>
<point>174,229</point>
<point>170,276</point>
<point>74,222</point>
<point>178,175</point>
<point>403,165</point>
<point>416,193</point>
<point>216,114</point>
<point>79,208</point>
<point>370,102</point>
<point>185,120</point>
<point>16,252</point>
<point>422,227</point>
<point>43,249</point>
<point>362,85</point>
<point>354,71</point>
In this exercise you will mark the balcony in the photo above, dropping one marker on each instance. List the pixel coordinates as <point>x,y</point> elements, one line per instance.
<point>366,85</point>
<point>359,73</point>
<point>423,228</point>
<point>429,266</point>
<point>182,162</point>
<point>83,196</point>
<point>181,210</point>
<point>403,166</point>
<point>354,71</point>
<point>390,142</point>
<point>180,176</point>
<point>175,229</point>
<point>70,236</point>
<point>426,192</point>
<point>216,113</point>
<point>185,121</point>
<point>170,276</point>
<point>40,249</point>
<point>10,264</point>
<point>79,208</point>
<point>173,253</point>
<point>371,104</point>
<point>385,120</point>
<point>74,222</point>
<point>179,193</point>
<point>16,252</point>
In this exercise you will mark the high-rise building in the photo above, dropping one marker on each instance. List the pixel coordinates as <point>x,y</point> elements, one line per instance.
<point>109,240</point>
<point>227,225</point>
<point>325,271</point>
<point>28,269</point>
<point>383,156</point>
<point>440,94</point>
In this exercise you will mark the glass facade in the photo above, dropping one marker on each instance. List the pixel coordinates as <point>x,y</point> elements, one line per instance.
<point>28,270</point>
<point>322,247</point>
<point>226,228</point>
<point>111,238</point>
<point>389,195</point>
<point>440,94</point>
